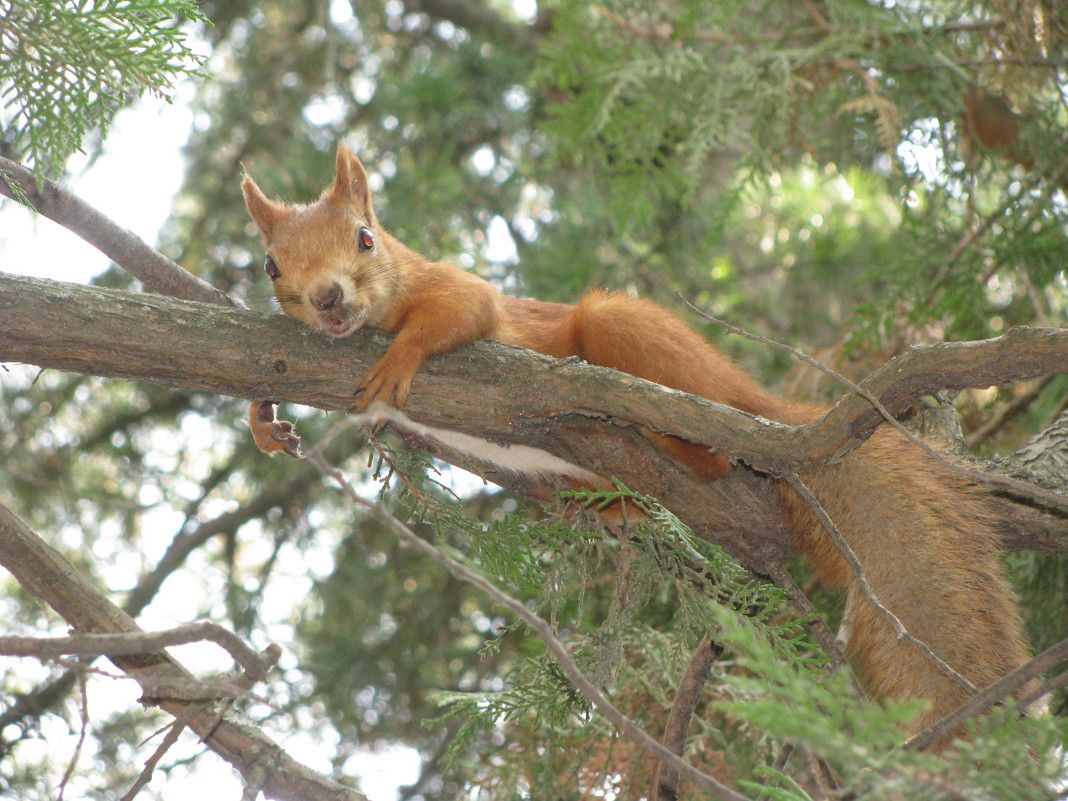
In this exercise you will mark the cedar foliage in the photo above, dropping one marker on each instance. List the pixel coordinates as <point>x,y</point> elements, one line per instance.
<point>66,68</point>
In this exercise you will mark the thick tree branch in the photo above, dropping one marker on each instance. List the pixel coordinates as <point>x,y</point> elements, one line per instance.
<point>48,576</point>
<point>262,357</point>
<point>580,413</point>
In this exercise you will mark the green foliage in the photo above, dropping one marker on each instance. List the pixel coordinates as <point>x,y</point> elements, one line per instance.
<point>667,589</point>
<point>860,741</point>
<point>66,68</point>
<point>655,100</point>
<point>704,576</point>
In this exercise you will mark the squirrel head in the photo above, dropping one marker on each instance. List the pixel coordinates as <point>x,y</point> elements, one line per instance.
<point>328,261</point>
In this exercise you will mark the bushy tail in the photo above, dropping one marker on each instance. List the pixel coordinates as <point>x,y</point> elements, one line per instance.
<point>924,539</point>
<point>929,551</point>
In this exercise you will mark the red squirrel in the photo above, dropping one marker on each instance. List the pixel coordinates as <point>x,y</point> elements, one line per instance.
<point>924,537</point>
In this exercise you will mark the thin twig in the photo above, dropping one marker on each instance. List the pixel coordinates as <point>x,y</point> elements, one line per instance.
<point>83,710</point>
<point>135,642</point>
<point>972,236</point>
<point>990,696</point>
<point>174,730</point>
<point>999,60</point>
<point>1006,413</point>
<point>540,627</point>
<point>821,775</point>
<point>1058,682</point>
<point>185,542</point>
<point>804,357</point>
<point>862,581</point>
<point>415,493</point>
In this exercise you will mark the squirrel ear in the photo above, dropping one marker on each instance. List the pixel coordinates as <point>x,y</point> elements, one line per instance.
<point>265,213</point>
<point>350,182</point>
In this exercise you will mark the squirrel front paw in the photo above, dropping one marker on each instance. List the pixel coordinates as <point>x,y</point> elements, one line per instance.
<point>388,381</point>
<point>271,434</point>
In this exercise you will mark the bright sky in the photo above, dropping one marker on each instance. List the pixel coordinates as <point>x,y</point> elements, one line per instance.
<point>132,182</point>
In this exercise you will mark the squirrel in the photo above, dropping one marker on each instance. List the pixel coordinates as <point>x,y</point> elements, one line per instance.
<point>923,536</point>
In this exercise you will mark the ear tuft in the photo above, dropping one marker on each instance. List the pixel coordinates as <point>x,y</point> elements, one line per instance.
<point>350,181</point>
<point>265,212</point>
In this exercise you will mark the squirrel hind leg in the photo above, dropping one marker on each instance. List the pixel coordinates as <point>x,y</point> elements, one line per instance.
<point>646,340</point>
<point>705,464</point>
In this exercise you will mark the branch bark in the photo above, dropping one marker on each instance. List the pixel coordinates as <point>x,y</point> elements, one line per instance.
<point>991,695</point>
<point>666,778</point>
<point>580,413</point>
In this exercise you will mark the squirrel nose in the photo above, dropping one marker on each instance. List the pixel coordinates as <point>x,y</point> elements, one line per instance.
<point>328,298</point>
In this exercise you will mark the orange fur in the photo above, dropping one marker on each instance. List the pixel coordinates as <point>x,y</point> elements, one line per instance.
<point>924,539</point>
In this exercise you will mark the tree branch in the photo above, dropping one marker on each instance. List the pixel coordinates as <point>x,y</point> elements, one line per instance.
<point>1031,491</point>
<point>665,777</point>
<point>125,248</point>
<point>1005,413</point>
<point>579,413</point>
<point>189,537</point>
<point>262,357</point>
<point>142,642</point>
<point>48,576</point>
<point>174,731</point>
<point>990,696</point>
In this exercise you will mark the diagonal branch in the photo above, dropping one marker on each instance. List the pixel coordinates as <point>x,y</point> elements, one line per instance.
<point>665,777</point>
<point>48,576</point>
<point>33,703</point>
<point>539,626</point>
<point>125,248</point>
<point>990,696</point>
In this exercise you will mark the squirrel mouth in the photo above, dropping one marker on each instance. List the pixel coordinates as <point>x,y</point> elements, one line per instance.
<point>342,325</point>
<point>338,328</point>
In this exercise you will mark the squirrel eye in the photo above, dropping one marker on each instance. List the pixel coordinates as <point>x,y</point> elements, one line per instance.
<point>271,269</point>
<point>367,239</point>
